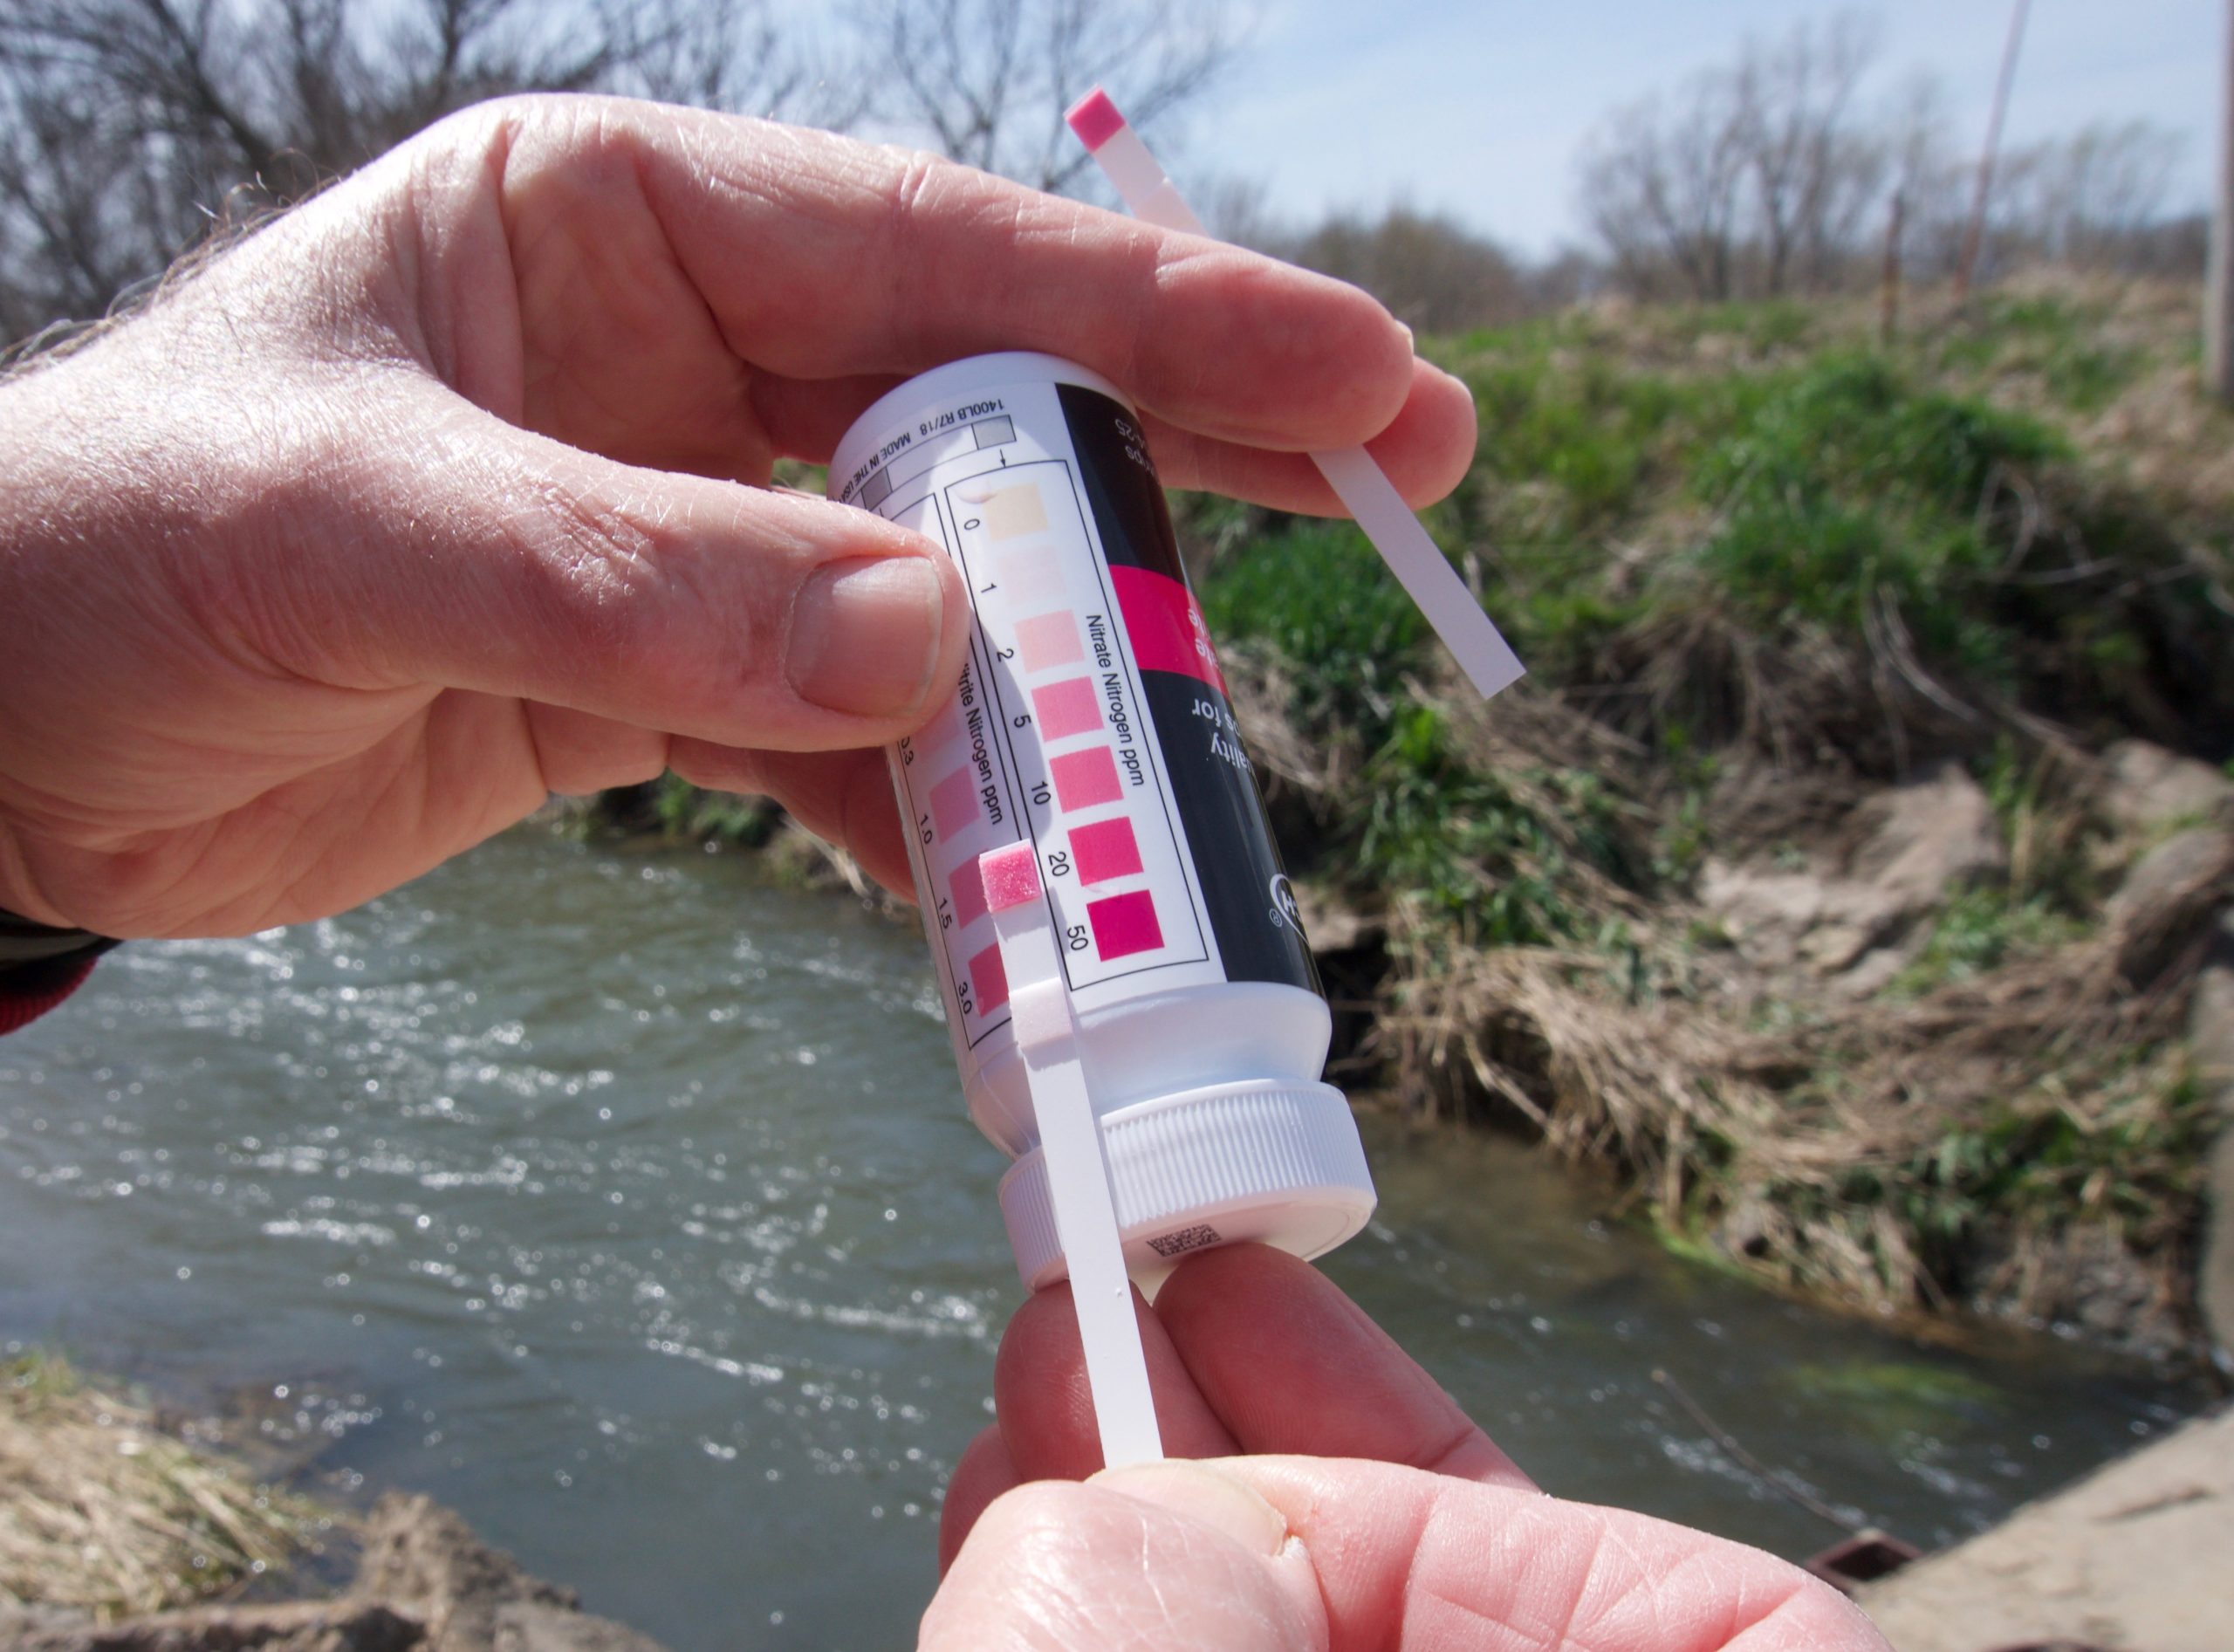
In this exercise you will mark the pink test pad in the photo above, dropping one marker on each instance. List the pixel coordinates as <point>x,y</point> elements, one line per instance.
<point>1011,875</point>
<point>1095,119</point>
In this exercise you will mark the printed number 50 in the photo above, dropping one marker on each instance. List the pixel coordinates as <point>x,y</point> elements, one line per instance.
<point>1076,935</point>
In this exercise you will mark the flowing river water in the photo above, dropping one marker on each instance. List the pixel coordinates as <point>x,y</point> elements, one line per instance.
<point>627,1205</point>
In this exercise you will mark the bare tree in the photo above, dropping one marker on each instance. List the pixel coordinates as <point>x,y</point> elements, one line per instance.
<point>2085,200</point>
<point>1811,172</point>
<point>986,82</point>
<point>1660,190</point>
<point>127,128</point>
<point>1756,176</point>
<point>1434,275</point>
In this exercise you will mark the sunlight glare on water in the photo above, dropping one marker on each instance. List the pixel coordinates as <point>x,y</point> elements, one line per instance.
<point>628,1205</point>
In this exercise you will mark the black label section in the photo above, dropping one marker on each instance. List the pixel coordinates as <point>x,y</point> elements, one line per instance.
<point>1119,482</point>
<point>1251,909</point>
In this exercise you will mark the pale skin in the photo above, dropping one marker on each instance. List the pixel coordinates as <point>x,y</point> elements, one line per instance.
<point>1346,1502</point>
<point>448,491</point>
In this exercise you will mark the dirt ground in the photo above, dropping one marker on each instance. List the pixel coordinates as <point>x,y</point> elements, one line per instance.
<point>2137,1557</point>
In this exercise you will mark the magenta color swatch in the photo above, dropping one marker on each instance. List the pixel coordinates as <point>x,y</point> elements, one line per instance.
<point>1011,875</point>
<point>1124,924</point>
<point>1065,708</point>
<point>969,892</point>
<point>1095,119</point>
<point>1048,640</point>
<point>1105,850</point>
<point>1084,779</point>
<point>954,803</point>
<point>990,981</point>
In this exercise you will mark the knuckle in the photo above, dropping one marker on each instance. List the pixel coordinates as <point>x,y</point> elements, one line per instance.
<point>643,601</point>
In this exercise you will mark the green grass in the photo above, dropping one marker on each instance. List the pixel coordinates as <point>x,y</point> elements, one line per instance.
<point>683,811</point>
<point>1978,930</point>
<point>1848,485</point>
<point>1315,595</point>
<point>1460,841</point>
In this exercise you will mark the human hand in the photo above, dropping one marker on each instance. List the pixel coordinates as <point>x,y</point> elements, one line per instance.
<point>1382,1518</point>
<point>447,492</point>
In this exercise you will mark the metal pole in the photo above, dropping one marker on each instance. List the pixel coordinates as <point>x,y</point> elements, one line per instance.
<point>1888,299</point>
<point>2218,282</point>
<point>1967,267</point>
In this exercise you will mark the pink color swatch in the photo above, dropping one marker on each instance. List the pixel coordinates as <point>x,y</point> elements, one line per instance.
<point>1011,874</point>
<point>989,982</point>
<point>1084,779</point>
<point>1124,924</point>
<point>1095,119</point>
<point>969,892</point>
<point>1031,576</point>
<point>954,803</point>
<point>1105,850</point>
<point>1048,640</point>
<point>1065,708</point>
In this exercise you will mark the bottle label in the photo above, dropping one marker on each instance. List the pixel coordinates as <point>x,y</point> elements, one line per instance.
<point>1090,717</point>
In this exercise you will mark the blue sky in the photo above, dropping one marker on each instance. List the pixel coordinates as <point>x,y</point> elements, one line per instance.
<point>1478,110</point>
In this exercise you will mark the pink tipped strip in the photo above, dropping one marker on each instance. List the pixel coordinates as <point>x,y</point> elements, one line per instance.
<point>1364,489</point>
<point>1011,875</point>
<point>1078,1173</point>
<point>1095,119</point>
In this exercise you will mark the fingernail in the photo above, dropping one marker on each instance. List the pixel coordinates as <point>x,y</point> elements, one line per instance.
<point>865,635</point>
<point>1216,1500</point>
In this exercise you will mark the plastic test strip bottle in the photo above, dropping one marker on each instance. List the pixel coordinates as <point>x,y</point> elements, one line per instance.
<point>1091,719</point>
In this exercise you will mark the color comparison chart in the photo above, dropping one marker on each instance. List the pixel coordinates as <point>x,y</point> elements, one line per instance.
<point>1046,738</point>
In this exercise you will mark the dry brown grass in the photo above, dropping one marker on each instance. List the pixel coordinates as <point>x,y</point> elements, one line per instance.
<point>102,1511</point>
<point>1876,1153</point>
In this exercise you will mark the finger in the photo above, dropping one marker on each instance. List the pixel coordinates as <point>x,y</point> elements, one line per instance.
<point>1046,1405</point>
<point>1417,1561</point>
<point>579,754</point>
<point>843,797</point>
<point>1290,1364</point>
<point>1181,1559</point>
<point>986,1470</point>
<point>1425,451</point>
<point>940,261</point>
<point>482,555</point>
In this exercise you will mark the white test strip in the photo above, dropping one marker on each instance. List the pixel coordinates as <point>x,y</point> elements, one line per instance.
<point>1070,1139</point>
<point>1365,490</point>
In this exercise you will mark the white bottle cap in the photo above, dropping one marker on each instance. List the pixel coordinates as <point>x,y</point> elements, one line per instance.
<point>1276,1161</point>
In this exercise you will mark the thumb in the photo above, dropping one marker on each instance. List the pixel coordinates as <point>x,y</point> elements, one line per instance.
<point>1173,1555</point>
<point>492,558</point>
<point>1204,1496</point>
